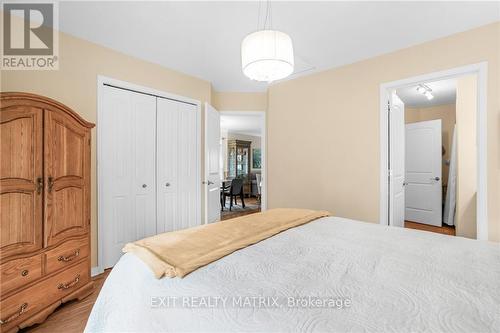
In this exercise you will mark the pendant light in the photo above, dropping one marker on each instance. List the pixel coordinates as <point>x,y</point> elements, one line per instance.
<point>267,54</point>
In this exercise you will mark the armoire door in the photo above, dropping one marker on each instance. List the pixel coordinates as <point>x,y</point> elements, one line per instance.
<point>178,166</point>
<point>21,172</point>
<point>127,140</point>
<point>67,171</point>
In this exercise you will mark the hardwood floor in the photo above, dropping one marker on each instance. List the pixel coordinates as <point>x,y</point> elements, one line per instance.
<point>251,207</point>
<point>445,229</point>
<point>71,317</point>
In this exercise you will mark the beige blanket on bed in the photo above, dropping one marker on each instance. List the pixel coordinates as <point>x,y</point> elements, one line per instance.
<point>178,253</point>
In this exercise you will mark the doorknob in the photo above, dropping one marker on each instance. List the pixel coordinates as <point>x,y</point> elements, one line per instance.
<point>210,183</point>
<point>167,184</point>
<point>144,185</point>
<point>436,179</point>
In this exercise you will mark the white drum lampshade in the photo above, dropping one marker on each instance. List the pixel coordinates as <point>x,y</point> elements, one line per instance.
<point>267,55</point>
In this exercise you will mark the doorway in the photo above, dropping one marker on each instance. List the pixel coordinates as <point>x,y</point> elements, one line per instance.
<point>412,184</point>
<point>243,163</point>
<point>430,185</point>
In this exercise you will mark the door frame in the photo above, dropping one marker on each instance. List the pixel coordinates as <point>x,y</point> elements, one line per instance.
<point>481,71</point>
<point>263,146</point>
<point>101,82</point>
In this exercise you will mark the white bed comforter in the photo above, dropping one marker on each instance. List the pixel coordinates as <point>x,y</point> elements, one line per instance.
<point>397,280</point>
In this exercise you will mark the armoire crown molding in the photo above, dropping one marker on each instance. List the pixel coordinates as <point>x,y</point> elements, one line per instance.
<point>23,96</point>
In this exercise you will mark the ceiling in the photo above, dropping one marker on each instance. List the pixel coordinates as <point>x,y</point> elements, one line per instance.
<point>203,38</point>
<point>241,124</point>
<point>444,92</point>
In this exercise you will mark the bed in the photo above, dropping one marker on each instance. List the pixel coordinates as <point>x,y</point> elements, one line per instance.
<point>332,274</point>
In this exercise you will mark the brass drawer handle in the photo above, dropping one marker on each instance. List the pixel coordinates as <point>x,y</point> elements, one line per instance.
<point>39,185</point>
<point>24,272</point>
<point>50,184</point>
<point>64,286</point>
<point>23,308</point>
<point>70,257</point>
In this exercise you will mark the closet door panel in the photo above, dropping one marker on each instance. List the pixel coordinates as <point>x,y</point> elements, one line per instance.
<point>67,170</point>
<point>20,179</point>
<point>177,158</point>
<point>128,169</point>
<point>115,141</point>
<point>167,149</point>
<point>190,162</point>
<point>144,159</point>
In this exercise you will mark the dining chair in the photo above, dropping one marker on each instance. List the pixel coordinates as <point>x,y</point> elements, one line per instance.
<point>223,188</point>
<point>235,190</point>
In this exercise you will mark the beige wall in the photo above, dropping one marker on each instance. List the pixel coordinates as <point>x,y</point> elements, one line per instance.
<point>465,220</point>
<point>323,129</point>
<point>234,101</point>
<point>74,84</point>
<point>447,115</point>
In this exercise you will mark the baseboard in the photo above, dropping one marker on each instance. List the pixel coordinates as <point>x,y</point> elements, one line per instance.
<point>96,271</point>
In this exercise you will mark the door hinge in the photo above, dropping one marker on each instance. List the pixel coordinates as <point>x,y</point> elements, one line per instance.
<point>388,106</point>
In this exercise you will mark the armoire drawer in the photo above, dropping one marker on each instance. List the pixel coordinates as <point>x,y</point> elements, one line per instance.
<point>26,303</point>
<point>66,254</point>
<point>19,272</point>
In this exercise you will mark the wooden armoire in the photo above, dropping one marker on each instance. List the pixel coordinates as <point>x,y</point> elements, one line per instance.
<point>45,208</point>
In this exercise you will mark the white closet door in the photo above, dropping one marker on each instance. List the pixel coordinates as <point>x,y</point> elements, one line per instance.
<point>127,169</point>
<point>178,182</point>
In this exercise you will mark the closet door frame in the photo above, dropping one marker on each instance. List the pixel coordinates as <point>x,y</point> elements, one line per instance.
<point>103,81</point>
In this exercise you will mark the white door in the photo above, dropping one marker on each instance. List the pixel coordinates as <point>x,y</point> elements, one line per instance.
<point>127,169</point>
<point>178,166</point>
<point>423,172</point>
<point>212,161</point>
<point>396,161</point>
